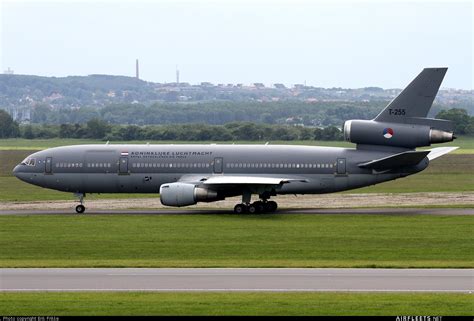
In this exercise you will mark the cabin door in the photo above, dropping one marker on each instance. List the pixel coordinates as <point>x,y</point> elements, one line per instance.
<point>341,166</point>
<point>123,165</point>
<point>218,165</point>
<point>48,165</point>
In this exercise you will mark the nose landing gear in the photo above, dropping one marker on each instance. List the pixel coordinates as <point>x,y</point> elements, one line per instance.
<point>80,208</point>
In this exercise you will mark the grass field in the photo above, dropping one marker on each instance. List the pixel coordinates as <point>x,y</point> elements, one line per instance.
<point>237,241</point>
<point>139,303</point>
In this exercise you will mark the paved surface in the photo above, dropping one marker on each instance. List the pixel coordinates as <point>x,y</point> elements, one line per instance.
<point>385,211</point>
<point>360,280</point>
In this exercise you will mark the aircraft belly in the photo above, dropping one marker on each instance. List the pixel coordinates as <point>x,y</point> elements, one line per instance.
<point>99,183</point>
<point>66,182</point>
<point>320,184</point>
<point>143,182</point>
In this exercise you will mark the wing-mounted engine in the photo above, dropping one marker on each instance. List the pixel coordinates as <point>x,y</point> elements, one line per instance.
<point>184,194</point>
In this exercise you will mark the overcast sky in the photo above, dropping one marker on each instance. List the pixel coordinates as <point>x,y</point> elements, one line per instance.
<point>327,44</point>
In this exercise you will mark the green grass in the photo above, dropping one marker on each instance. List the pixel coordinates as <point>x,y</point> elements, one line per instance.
<point>237,241</point>
<point>465,143</point>
<point>205,303</point>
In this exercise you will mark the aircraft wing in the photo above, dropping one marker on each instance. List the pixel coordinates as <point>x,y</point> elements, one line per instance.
<point>248,180</point>
<point>409,158</point>
<point>440,151</point>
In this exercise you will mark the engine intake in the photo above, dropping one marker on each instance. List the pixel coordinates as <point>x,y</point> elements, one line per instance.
<point>184,194</point>
<point>371,132</point>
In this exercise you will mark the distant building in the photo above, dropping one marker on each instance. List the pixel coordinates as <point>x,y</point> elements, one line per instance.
<point>20,114</point>
<point>8,71</point>
<point>279,86</point>
<point>137,70</point>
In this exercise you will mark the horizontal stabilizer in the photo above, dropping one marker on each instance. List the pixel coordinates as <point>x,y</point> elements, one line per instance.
<point>440,151</point>
<point>440,124</point>
<point>409,158</point>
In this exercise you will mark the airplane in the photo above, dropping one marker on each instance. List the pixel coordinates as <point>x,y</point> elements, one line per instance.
<point>187,174</point>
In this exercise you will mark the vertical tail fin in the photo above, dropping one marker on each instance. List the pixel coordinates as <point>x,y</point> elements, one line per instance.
<point>416,99</point>
<point>403,123</point>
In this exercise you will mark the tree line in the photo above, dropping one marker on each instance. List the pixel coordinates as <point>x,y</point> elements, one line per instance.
<point>97,128</point>
<point>214,113</point>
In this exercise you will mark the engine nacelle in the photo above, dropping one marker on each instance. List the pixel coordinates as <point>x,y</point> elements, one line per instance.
<point>371,132</point>
<point>184,194</point>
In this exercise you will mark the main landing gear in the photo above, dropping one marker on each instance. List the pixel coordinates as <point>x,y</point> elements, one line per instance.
<point>262,206</point>
<point>256,207</point>
<point>80,208</point>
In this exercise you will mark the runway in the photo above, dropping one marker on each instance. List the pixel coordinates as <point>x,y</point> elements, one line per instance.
<point>309,211</point>
<point>234,279</point>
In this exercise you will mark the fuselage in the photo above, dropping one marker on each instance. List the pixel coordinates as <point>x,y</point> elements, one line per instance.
<point>144,168</point>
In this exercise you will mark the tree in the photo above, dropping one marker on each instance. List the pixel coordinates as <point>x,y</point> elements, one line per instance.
<point>97,128</point>
<point>460,118</point>
<point>8,127</point>
<point>28,132</point>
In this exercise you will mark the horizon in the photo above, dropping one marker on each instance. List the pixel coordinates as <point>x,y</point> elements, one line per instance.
<point>245,85</point>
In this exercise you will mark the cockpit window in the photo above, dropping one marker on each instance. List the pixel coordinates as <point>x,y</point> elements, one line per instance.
<point>29,162</point>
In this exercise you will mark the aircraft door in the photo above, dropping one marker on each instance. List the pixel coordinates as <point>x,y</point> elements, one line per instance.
<point>218,165</point>
<point>341,166</point>
<point>123,165</point>
<point>48,165</point>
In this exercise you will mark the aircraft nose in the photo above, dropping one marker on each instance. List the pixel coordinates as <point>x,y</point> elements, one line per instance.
<point>16,170</point>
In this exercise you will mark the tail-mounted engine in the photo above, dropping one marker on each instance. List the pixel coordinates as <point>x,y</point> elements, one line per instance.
<point>370,132</point>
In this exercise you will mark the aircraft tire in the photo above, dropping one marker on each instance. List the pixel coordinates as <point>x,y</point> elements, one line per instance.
<point>80,209</point>
<point>240,209</point>
<point>252,209</point>
<point>260,206</point>
<point>272,206</point>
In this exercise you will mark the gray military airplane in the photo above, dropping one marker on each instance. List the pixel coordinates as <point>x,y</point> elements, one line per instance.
<point>186,174</point>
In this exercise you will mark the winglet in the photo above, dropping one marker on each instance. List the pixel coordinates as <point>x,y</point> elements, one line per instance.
<point>440,151</point>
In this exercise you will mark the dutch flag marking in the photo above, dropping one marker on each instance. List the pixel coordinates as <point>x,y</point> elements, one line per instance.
<point>388,133</point>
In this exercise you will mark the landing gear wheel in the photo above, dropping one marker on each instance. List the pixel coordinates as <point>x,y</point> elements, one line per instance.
<point>253,209</point>
<point>80,209</point>
<point>271,206</point>
<point>240,208</point>
<point>260,206</point>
